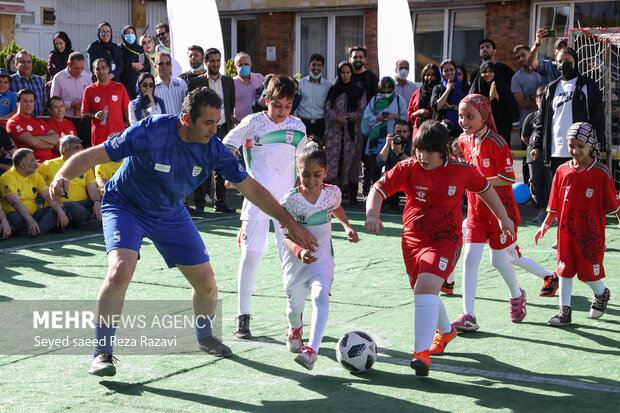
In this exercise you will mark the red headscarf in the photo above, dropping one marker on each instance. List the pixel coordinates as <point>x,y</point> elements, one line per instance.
<point>483,105</point>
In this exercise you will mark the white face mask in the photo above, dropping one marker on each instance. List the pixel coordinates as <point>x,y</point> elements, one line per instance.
<point>403,73</point>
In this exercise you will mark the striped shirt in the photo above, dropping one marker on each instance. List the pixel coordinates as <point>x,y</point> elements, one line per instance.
<point>172,95</point>
<point>37,85</point>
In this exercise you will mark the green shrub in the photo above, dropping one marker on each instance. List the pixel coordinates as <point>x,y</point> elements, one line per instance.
<point>39,66</point>
<point>230,67</point>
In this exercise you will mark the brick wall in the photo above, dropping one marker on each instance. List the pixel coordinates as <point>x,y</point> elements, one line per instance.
<point>370,39</point>
<point>278,30</point>
<point>508,25</point>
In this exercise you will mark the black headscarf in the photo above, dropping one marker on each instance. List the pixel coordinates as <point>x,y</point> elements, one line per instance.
<point>354,93</point>
<point>64,56</point>
<point>124,45</point>
<point>105,45</point>
<point>426,91</point>
<point>482,87</point>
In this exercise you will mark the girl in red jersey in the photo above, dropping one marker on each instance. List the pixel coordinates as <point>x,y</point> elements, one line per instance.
<point>582,193</point>
<point>434,185</point>
<point>489,153</point>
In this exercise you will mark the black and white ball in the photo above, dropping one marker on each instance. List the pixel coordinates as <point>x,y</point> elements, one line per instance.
<point>356,352</point>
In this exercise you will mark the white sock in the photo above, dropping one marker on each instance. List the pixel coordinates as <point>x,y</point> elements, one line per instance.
<point>598,287</point>
<point>426,316</point>
<point>320,311</point>
<point>566,291</point>
<point>443,322</point>
<point>501,262</point>
<point>295,304</point>
<point>246,278</point>
<point>531,266</point>
<point>473,256</point>
<point>451,277</point>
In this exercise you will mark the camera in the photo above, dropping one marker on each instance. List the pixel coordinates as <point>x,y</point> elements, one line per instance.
<point>398,140</point>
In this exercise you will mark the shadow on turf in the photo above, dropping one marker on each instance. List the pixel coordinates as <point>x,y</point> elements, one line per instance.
<point>28,266</point>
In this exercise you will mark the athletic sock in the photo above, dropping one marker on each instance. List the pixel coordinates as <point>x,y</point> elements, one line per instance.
<point>531,266</point>
<point>294,309</point>
<point>501,262</point>
<point>246,278</point>
<point>103,335</point>
<point>203,328</point>
<point>320,311</point>
<point>473,256</point>
<point>597,287</point>
<point>443,322</point>
<point>450,277</point>
<point>566,291</point>
<point>426,316</point>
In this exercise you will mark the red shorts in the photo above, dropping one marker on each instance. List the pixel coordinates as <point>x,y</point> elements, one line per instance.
<point>481,232</point>
<point>438,259</point>
<point>571,260</point>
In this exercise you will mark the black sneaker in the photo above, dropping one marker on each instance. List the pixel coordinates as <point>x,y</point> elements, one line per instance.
<point>242,327</point>
<point>562,318</point>
<point>103,365</point>
<point>222,207</point>
<point>447,288</point>
<point>214,346</point>
<point>599,305</point>
<point>198,212</point>
<point>550,286</point>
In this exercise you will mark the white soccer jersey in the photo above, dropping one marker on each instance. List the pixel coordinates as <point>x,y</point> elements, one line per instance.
<point>316,218</point>
<point>269,150</point>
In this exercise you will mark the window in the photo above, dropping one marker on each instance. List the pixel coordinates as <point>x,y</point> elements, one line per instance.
<point>328,34</point>
<point>239,35</point>
<point>428,40</point>
<point>467,31</point>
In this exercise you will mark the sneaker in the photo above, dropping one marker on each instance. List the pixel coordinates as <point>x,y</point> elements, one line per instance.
<point>465,322</point>
<point>198,212</point>
<point>222,207</point>
<point>550,285</point>
<point>517,308</point>
<point>294,344</point>
<point>441,341</point>
<point>539,218</point>
<point>599,304</point>
<point>447,287</point>
<point>208,199</point>
<point>554,245</point>
<point>214,346</point>
<point>103,365</point>
<point>242,327</point>
<point>307,357</point>
<point>562,318</point>
<point>421,362</point>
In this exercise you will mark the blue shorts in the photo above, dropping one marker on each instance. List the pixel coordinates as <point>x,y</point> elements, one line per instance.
<point>174,234</point>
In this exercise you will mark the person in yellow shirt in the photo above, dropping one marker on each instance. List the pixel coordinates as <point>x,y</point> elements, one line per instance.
<point>83,201</point>
<point>19,187</point>
<point>105,171</point>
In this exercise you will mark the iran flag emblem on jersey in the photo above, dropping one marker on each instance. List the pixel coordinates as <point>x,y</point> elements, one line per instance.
<point>443,263</point>
<point>289,136</point>
<point>451,190</point>
<point>486,162</point>
<point>589,192</point>
<point>196,171</point>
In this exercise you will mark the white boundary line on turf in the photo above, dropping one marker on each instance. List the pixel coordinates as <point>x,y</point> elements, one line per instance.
<point>62,241</point>
<point>510,376</point>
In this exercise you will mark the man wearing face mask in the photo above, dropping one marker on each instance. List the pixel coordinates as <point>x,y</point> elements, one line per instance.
<point>313,90</point>
<point>571,98</point>
<point>248,86</point>
<point>196,56</point>
<point>404,88</point>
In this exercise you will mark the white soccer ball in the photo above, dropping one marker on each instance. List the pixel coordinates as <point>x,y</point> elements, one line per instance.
<point>356,352</point>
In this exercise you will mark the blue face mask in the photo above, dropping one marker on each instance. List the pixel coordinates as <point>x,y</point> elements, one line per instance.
<point>244,71</point>
<point>130,38</point>
<point>198,69</point>
<point>315,77</point>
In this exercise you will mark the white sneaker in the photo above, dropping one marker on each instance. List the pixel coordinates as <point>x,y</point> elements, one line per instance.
<point>554,245</point>
<point>307,358</point>
<point>539,218</point>
<point>294,343</point>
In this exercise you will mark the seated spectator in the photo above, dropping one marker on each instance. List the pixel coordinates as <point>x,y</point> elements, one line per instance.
<point>380,115</point>
<point>30,132</point>
<point>447,95</point>
<point>57,60</point>
<point>420,109</point>
<point>19,188</point>
<point>105,171</point>
<point>146,104</point>
<point>393,152</point>
<point>57,121</point>
<point>134,60</point>
<point>103,48</point>
<point>171,90</point>
<point>5,227</point>
<point>148,46</point>
<point>6,151</point>
<point>25,79</point>
<point>10,65</point>
<point>83,201</point>
<point>8,99</point>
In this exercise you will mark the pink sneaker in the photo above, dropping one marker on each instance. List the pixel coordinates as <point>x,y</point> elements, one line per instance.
<point>294,342</point>
<point>307,358</point>
<point>517,308</point>
<point>465,322</point>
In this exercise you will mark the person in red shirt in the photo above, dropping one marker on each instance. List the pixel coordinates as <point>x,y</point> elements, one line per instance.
<point>488,152</point>
<point>30,132</point>
<point>57,121</point>
<point>434,185</point>
<point>106,102</point>
<point>582,193</point>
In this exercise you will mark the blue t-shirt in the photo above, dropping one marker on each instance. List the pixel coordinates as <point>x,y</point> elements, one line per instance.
<point>8,102</point>
<point>548,70</point>
<point>161,169</point>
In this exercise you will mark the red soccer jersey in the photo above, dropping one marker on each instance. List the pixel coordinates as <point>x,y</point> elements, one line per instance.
<point>96,98</point>
<point>66,127</point>
<point>581,199</point>
<point>433,208</point>
<point>491,156</point>
<point>18,125</point>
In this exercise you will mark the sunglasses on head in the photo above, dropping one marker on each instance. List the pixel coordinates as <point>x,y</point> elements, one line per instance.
<point>151,85</point>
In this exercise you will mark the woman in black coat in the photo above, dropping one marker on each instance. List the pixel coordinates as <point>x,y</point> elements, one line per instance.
<point>105,49</point>
<point>57,60</point>
<point>134,60</point>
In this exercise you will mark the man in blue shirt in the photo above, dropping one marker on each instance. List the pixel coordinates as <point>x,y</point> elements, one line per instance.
<point>25,79</point>
<point>8,99</point>
<point>167,157</point>
<point>547,69</point>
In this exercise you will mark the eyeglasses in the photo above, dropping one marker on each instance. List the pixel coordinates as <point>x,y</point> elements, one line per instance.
<point>147,42</point>
<point>151,85</point>
<point>105,32</point>
<point>164,64</point>
<point>162,34</point>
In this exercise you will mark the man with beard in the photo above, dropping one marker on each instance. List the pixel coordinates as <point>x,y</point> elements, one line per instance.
<point>195,55</point>
<point>313,90</point>
<point>224,86</point>
<point>162,31</point>
<point>487,53</point>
